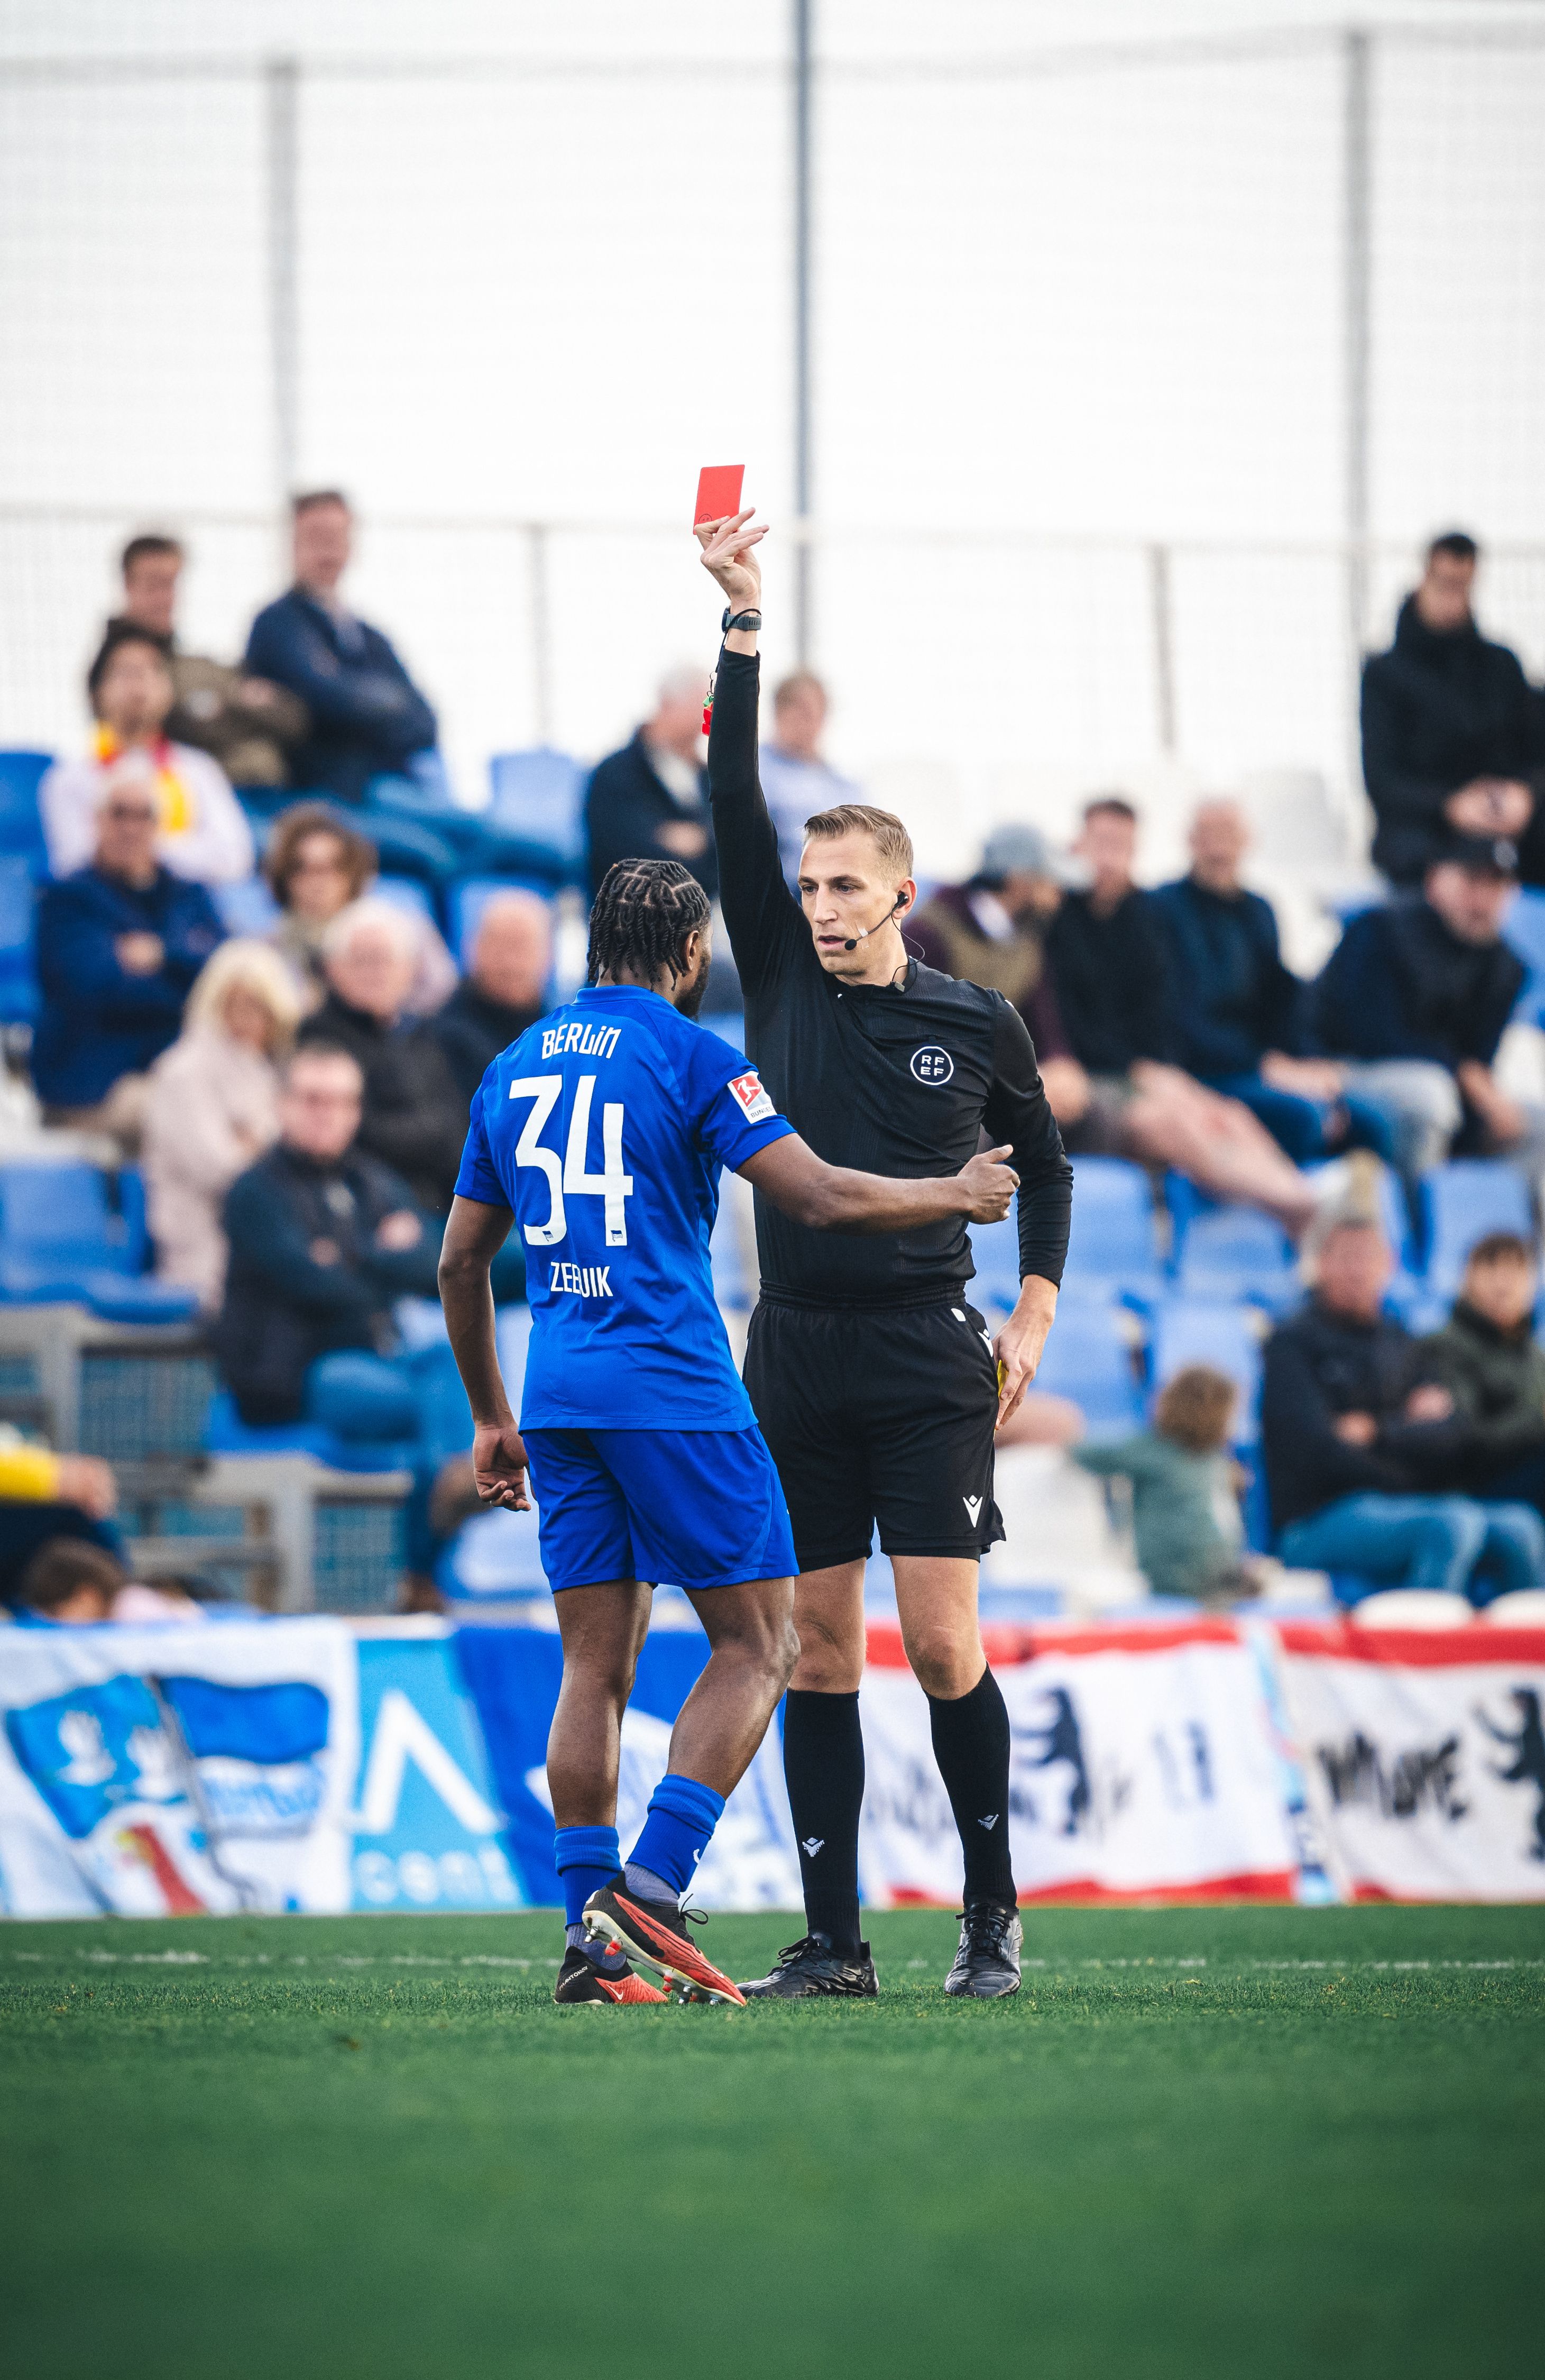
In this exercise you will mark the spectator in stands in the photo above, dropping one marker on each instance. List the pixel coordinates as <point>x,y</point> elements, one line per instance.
<point>992,930</point>
<point>248,724</point>
<point>1413,1003</point>
<point>324,1240</point>
<point>203,835</point>
<point>1240,1014</point>
<point>1487,1358</point>
<point>795,779</point>
<point>368,720</point>
<point>70,1583</point>
<point>415,1115</point>
<point>1361,1441</point>
<point>1185,1485</point>
<point>316,863</point>
<point>650,800</point>
<point>213,1108</point>
<point>1112,974</point>
<point>118,946</point>
<point>47,1497</point>
<point>1451,741</point>
<point>504,991</point>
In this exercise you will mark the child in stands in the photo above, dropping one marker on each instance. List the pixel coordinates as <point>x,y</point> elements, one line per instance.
<point>1185,1490</point>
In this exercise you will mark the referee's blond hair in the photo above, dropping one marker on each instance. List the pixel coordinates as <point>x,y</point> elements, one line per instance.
<point>883,827</point>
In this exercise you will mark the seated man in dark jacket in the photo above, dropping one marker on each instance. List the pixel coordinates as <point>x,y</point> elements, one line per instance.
<point>650,800</point>
<point>324,1240</point>
<point>118,946</point>
<point>1239,1012</point>
<point>1451,739</point>
<point>367,717</point>
<point>1412,1005</point>
<point>505,987</point>
<point>1113,977</point>
<point>414,1117</point>
<point>1361,1441</point>
<point>1487,1358</point>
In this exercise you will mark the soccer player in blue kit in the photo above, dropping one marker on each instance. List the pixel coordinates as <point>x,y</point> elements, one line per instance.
<point>602,1132</point>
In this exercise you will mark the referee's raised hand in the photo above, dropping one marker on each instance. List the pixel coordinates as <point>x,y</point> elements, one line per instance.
<point>730,558</point>
<point>989,1185</point>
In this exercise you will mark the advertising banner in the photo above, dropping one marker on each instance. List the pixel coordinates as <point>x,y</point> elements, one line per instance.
<point>1423,1757</point>
<point>1142,1766</point>
<point>160,1771</point>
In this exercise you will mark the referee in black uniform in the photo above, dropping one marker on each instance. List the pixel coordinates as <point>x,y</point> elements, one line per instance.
<point>876,1385</point>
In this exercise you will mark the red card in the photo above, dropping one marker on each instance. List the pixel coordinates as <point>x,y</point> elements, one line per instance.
<point>718,490</point>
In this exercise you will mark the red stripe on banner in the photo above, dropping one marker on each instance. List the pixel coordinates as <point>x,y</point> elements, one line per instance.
<point>1414,1649</point>
<point>1271,1884</point>
<point>1005,1645</point>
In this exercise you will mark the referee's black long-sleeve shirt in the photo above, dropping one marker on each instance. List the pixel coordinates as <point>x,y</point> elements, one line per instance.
<point>890,1079</point>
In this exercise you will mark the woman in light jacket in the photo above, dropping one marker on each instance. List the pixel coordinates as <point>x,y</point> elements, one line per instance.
<point>214,1107</point>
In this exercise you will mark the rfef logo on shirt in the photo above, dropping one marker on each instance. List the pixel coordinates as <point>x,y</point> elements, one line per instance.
<point>932,1064</point>
<point>758,1103</point>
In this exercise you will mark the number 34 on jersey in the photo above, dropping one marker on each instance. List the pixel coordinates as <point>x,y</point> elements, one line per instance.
<point>570,1176</point>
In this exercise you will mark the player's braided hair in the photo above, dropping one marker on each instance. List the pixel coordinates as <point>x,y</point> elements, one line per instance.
<point>644,913</point>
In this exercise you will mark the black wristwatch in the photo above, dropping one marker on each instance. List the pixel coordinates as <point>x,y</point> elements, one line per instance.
<point>738,620</point>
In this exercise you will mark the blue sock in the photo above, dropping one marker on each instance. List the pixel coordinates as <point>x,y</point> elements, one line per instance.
<point>677,1831</point>
<point>586,1858</point>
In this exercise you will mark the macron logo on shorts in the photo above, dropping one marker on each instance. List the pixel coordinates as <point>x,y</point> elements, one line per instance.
<point>973,1506</point>
<point>746,1089</point>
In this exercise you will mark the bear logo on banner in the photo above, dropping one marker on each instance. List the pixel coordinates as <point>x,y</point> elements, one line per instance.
<point>1526,1744</point>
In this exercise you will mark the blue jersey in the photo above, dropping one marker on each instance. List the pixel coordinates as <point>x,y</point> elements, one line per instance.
<point>605,1128</point>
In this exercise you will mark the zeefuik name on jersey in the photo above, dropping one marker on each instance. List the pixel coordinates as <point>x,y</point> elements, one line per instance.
<point>579,1281</point>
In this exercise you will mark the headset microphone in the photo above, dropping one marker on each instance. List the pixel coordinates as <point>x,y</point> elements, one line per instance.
<point>900,903</point>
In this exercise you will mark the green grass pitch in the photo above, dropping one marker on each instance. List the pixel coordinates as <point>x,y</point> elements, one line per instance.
<point>1201,2143</point>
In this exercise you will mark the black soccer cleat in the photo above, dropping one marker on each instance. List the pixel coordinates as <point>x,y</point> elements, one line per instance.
<point>581,1983</point>
<point>811,1968</point>
<point>987,1962</point>
<point>655,1932</point>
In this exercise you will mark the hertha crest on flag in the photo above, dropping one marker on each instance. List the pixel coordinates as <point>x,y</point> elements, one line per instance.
<point>747,1089</point>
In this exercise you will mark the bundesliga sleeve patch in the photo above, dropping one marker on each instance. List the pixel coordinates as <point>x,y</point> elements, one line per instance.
<point>746,1091</point>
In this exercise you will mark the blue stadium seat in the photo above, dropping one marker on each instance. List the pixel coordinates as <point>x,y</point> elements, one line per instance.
<point>55,1230</point>
<point>1226,1252</point>
<point>1114,1242</point>
<point>18,989</point>
<point>62,1243</point>
<point>1464,1200</point>
<point>1089,1357</point>
<point>494,1554</point>
<point>21,825</point>
<point>539,796</point>
<point>1227,1337</point>
<point>405,893</point>
<point>245,908</point>
<point>995,1249</point>
<point>1525,930</point>
<point>226,1433</point>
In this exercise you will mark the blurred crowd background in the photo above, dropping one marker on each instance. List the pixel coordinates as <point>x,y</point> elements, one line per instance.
<point>1141,400</point>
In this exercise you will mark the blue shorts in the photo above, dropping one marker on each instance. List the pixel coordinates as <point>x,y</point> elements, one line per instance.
<point>693,1508</point>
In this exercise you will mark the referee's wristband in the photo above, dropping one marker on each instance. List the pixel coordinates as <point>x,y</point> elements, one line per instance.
<point>738,620</point>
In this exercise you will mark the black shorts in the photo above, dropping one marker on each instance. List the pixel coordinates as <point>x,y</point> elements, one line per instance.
<point>879,1416</point>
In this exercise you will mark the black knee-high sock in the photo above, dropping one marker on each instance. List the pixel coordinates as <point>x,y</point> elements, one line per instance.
<point>971,1744</point>
<point>823,1762</point>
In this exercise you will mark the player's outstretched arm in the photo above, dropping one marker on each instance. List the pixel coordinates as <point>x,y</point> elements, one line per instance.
<point>474,1236</point>
<point>834,1198</point>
